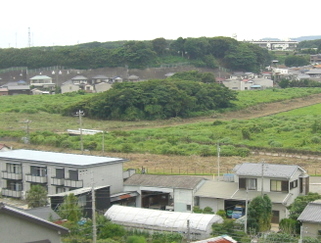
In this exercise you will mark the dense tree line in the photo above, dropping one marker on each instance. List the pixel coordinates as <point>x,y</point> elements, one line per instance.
<point>157,99</point>
<point>205,52</point>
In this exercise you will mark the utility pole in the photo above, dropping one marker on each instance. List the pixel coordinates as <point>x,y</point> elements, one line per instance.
<point>245,221</point>
<point>80,114</point>
<point>262,178</point>
<point>188,232</point>
<point>218,160</point>
<point>94,214</point>
<point>93,208</point>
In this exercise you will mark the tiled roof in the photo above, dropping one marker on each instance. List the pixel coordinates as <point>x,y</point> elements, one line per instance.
<point>269,170</point>
<point>311,213</point>
<point>187,182</point>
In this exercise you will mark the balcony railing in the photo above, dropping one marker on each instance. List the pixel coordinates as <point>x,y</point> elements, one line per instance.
<point>57,181</point>
<point>11,193</point>
<point>73,183</point>
<point>36,179</point>
<point>11,176</point>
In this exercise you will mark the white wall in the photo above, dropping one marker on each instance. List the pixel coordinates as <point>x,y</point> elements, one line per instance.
<point>182,198</point>
<point>215,204</point>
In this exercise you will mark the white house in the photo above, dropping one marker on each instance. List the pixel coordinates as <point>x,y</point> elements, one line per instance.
<point>282,183</point>
<point>42,81</point>
<point>167,192</point>
<point>58,172</point>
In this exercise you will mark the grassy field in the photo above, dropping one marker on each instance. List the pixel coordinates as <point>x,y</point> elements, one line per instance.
<point>143,140</point>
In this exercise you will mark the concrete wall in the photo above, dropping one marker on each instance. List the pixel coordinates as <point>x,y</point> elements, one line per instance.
<point>310,229</point>
<point>16,230</point>
<point>215,204</point>
<point>182,198</point>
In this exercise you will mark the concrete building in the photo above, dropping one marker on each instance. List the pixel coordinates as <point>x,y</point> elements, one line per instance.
<point>58,172</point>
<point>280,45</point>
<point>21,226</point>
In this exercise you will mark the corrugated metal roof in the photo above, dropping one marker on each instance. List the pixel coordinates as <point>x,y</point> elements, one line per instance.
<point>42,157</point>
<point>269,170</point>
<point>188,182</point>
<point>311,213</point>
<point>77,191</point>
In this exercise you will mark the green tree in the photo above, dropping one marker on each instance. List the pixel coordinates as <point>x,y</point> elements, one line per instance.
<point>295,61</point>
<point>260,214</point>
<point>300,203</point>
<point>70,209</point>
<point>159,45</point>
<point>37,196</point>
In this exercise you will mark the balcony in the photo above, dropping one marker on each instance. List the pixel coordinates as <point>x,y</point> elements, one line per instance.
<point>11,176</point>
<point>57,181</point>
<point>36,179</point>
<point>73,183</point>
<point>11,193</point>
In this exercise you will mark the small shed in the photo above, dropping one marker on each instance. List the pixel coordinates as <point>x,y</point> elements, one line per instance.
<point>199,226</point>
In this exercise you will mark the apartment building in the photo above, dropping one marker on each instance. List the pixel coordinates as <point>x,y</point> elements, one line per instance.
<point>58,172</point>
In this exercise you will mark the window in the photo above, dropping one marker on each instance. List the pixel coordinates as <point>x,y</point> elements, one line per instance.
<point>293,184</point>
<point>38,171</point>
<point>251,184</point>
<point>188,207</point>
<point>73,175</point>
<point>60,173</point>
<point>13,168</point>
<point>279,186</point>
<point>248,183</point>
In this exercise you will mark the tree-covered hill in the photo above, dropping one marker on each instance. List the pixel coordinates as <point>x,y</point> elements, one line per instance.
<point>201,52</point>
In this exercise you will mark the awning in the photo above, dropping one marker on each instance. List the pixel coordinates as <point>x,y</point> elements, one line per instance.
<point>123,195</point>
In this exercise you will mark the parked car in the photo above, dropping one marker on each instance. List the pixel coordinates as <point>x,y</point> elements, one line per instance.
<point>238,211</point>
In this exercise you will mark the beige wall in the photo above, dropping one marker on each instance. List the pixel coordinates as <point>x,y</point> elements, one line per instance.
<point>19,230</point>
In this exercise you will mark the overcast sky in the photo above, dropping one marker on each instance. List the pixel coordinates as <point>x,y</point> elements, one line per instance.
<point>70,22</point>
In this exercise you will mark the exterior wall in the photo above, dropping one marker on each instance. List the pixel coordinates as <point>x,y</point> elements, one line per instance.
<point>232,84</point>
<point>215,204</point>
<point>182,198</point>
<point>69,88</point>
<point>283,212</point>
<point>17,230</point>
<point>137,189</point>
<point>102,87</point>
<point>310,229</point>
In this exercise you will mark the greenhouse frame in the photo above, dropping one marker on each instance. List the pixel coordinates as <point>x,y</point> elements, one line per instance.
<point>199,226</point>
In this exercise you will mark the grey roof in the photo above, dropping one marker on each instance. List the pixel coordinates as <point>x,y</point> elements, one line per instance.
<point>170,181</point>
<point>42,157</point>
<point>100,77</point>
<point>45,213</point>
<point>40,77</point>
<point>230,190</point>
<point>77,191</point>
<point>269,170</point>
<point>31,218</point>
<point>314,71</point>
<point>79,77</point>
<point>311,213</point>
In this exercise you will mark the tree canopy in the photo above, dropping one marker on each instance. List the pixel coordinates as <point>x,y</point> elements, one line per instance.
<point>300,203</point>
<point>203,52</point>
<point>260,214</point>
<point>157,99</point>
<point>37,196</point>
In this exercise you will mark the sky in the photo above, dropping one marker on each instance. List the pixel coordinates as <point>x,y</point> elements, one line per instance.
<point>25,23</point>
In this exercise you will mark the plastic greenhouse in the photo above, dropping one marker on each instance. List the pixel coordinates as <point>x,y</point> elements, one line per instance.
<point>159,220</point>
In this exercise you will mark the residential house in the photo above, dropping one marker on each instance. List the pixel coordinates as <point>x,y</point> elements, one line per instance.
<point>42,81</point>
<point>15,88</point>
<point>218,239</point>
<point>19,226</point>
<point>314,59</point>
<point>166,192</point>
<point>45,213</point>
<point>282,183</point>
<point>85,199</point>
<point>4,148</point>
<point>311,220</point>
<point>58,172</point>
<point>133,78</point>
<point>101,87</point>
<point>4,91</point>
<point>77,83</point>
<point>314,73</point>
<point>99,79</point>
<point>248,84</point>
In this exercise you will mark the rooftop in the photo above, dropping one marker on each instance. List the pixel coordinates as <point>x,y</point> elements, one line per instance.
<point>311,213</point>
<point>33,156</point>
<point>188,182</point>
<point>269,170</point>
